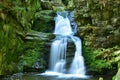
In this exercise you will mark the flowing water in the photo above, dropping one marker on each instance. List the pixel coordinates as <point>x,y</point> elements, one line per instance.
<point>38,76</point>
<point>64,32</point>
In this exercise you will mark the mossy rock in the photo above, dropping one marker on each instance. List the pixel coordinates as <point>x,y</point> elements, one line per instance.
<point>46,5</point>
<point>38,36</point>
<point>44,21</point>
<point>33,54</point>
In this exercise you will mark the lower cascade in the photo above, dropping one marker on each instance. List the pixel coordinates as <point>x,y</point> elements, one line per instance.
<point>65,28</point>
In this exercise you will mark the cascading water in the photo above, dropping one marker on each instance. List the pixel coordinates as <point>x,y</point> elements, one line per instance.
<point>65,28</point>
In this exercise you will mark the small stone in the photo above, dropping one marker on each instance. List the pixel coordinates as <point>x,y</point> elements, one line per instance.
<point>100,78</point>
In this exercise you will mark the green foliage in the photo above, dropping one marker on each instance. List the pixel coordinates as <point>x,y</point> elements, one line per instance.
<point>99,59</point>
<point>28,59</point>
<point>16,18</point>
<point>10,48</point>
<point>117,76</point>
<point>95,10</point>
<point>32,52</point>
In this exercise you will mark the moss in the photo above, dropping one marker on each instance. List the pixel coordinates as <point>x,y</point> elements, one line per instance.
<point>100,12</point>
<point>32,54</point>
<point>44,21</point>
<point>98,60</point>
<point>10,49</point>
<point>28,59</point>
<point>16,18</point>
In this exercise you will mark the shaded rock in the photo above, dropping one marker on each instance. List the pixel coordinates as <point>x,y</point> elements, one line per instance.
<point>36,49</point>
<point>70,54</point>
<point>53,4</point>
<point>46,5</point>
<point>57,2</point>
<point>44,21</point>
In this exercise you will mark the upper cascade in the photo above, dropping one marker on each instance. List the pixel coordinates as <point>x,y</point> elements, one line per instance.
<point>64,24</point>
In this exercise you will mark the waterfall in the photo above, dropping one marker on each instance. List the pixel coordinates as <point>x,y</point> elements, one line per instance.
<point>65,28</point>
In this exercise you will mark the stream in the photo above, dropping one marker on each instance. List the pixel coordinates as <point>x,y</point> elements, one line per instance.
<point>38,76</point>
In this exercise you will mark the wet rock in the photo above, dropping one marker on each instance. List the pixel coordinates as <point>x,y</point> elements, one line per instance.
<point>70,54</point>
<point>34,35</point>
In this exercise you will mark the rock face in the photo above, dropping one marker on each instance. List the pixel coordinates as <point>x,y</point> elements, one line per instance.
<point>36,51</point>
<point>20,48</point>
<point>34,35</point>
<point>44,21</point>
<point>98,23</point>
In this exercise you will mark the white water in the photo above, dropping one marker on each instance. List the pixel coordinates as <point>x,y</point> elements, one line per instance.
<point>63,32</point>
